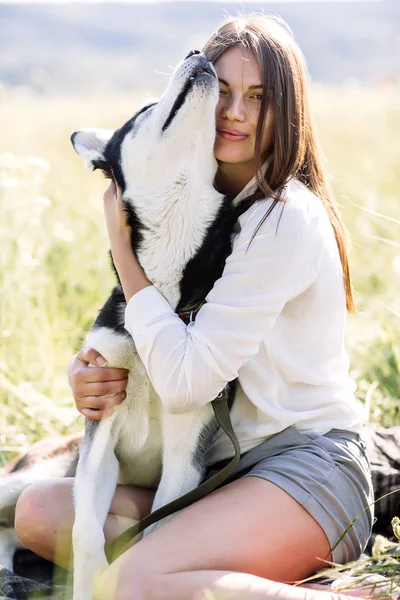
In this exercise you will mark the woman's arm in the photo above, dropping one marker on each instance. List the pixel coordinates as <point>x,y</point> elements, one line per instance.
<point>190,365</point>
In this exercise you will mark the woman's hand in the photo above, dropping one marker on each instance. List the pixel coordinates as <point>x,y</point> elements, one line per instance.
<point>118,230</point>
<point>96,389</point>
<point>131,274</point>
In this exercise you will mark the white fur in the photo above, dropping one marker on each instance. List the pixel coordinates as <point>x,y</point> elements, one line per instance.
<point>169,182</point>
<point>95,139</point>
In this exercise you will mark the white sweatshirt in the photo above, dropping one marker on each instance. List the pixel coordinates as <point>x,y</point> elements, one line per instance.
<point>275,320</point>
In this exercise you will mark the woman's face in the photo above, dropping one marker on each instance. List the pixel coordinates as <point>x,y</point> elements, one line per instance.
<point>240,84</point>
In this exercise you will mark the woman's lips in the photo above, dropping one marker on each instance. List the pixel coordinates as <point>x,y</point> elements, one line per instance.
<point>232,135</point>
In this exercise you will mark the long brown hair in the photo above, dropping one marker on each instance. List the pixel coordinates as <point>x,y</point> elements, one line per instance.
<point>294,151</point>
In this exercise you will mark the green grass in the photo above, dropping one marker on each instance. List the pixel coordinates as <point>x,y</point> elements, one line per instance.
<point>54,267</point>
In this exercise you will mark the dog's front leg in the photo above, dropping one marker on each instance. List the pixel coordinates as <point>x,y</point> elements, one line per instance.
<point>186,438</point>
<point>95,484</point>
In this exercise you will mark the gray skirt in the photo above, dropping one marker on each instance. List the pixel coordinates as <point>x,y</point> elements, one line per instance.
<point>329,475</point>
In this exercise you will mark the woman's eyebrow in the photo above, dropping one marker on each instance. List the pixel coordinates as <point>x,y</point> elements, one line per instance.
<point>258,86</point>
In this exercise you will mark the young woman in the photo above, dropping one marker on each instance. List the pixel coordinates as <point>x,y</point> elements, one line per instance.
<point>275,320</point>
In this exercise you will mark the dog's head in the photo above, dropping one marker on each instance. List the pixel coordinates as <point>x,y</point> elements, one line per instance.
<point>163,139</point>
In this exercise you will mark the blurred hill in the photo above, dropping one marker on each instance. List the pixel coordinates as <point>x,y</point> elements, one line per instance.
<point>81,48</point>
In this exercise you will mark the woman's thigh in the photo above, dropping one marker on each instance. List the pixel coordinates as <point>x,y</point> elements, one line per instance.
<point>250,526</point>
<point>45,515</point>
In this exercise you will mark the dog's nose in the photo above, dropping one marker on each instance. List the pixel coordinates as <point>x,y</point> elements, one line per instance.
<point>193,52</point>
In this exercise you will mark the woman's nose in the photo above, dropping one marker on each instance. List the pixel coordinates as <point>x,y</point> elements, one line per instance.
<point>234,109</point>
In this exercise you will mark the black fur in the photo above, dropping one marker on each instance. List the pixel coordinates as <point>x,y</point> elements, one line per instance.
<point>207,265</point>
<point>111,167</point>
<point>20,464</point>
<point>112,313</point>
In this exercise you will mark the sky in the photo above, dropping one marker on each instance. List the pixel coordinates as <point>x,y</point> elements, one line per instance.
<point>156,1</point>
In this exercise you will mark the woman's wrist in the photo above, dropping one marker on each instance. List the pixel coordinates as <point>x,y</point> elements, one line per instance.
<point>122,253</point>
<point>130,273</point>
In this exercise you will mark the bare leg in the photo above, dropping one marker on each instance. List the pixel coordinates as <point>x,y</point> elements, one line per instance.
<point>45,516</point>
<point>51,504</point>
<point>249,526</point>
<point>228,585</point>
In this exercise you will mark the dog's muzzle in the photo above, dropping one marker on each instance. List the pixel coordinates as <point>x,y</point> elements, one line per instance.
<point>203,66</point>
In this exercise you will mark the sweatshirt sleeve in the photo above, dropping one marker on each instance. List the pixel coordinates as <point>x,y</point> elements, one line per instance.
<point>189,365</point>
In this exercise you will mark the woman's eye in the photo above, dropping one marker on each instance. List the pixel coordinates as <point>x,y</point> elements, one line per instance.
<point>222,92</point>
<point>257,97</point>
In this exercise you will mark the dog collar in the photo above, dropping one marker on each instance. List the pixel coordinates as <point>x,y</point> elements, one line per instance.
<point>190,315</point>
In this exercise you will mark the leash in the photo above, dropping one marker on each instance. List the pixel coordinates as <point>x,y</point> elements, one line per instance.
<point>128,538</point>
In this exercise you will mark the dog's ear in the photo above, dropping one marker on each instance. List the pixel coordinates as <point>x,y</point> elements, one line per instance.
<point>91,143</point>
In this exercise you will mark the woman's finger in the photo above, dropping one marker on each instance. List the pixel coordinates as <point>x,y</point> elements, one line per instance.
<point>100,388</point>
<point>99,404</point>
<point>92,357</point>
<point>91,403</point>
<point>86,375</point>
<point>95,415</point>
<point>92,415</point>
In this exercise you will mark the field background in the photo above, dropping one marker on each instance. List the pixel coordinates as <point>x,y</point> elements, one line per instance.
<point>54,268</point>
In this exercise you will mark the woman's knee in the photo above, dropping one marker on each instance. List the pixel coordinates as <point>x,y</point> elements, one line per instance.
<point>45,515</point>
<point>43,509</point>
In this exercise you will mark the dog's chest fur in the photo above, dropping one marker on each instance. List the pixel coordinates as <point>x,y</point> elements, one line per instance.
<point>174,225</point>
<point>143,469</point>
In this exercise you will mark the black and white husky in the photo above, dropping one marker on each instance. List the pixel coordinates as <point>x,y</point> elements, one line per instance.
<point>163,161</point>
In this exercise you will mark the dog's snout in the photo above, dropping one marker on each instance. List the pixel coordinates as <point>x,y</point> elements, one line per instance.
<point>192,52</point>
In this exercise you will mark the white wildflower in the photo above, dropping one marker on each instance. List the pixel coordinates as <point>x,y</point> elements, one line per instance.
<point>396,527</point>
<point>39,163</point>
<point>63,233</point>
<point>380,546</point>
<point>396,264</point>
